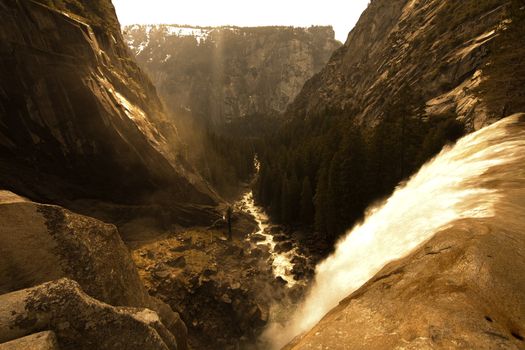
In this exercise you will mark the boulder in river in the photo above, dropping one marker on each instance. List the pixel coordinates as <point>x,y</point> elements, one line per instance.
<point>257,238</point>
<point>280,237</point>
<point>79,321</point>
<point>283,247</point>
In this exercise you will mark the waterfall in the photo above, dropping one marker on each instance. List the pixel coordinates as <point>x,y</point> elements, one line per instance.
<point>468,180</point>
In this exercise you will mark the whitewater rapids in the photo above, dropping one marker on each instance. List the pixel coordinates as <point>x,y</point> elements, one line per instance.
<point>468,180</point>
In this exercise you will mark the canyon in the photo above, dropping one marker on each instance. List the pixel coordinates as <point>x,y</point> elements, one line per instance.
<point>374,188</point>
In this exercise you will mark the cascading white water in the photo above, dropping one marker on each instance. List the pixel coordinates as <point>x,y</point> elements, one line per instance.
<point>461,182</point>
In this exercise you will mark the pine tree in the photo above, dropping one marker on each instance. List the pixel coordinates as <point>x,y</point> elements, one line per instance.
<point>286,207</point>
<point>321,200</point>
<point>294,200</point>
<point>307,211</point>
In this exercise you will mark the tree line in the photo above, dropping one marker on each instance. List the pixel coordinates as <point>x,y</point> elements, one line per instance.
<point>324,172</point>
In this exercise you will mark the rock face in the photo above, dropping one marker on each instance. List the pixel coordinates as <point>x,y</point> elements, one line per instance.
<point>227,74</point>
<point>79,321</point>
<point>42,243</point>
<point>456,57</point>
<point>39,341</point>
<point>462,289</point>
<point>78,118</point>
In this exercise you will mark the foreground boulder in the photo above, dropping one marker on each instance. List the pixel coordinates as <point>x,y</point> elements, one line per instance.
<point>463,289</point>
<point>39,341</point>
<point>79,321</point>
<point>41,243</point>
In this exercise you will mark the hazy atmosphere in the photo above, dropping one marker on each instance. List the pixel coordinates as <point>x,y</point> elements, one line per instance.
<point>342,15</point>
<point>230,175</point>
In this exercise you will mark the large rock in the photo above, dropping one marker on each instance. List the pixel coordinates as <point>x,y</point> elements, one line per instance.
<point>45,242</point>
<point>463,289</point>
<point>41,243</point>
<point>79,321</point>
<point>39,341</point>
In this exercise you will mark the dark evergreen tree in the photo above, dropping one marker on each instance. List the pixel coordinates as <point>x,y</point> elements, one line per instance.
<point>307,211</point>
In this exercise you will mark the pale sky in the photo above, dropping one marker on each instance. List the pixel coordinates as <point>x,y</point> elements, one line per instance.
<point>341,14</point>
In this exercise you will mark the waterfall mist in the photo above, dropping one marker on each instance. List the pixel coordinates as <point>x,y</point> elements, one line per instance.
<point>466,180</point>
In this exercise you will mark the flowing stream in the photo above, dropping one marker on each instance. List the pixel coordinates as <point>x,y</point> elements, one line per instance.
<point>281,261</point>
<point>481,176</point>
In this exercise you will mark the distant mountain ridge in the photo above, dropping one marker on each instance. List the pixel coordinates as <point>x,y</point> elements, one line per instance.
<point>223,74</point>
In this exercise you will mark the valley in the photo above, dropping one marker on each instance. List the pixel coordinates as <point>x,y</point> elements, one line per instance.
<point>174,186</point>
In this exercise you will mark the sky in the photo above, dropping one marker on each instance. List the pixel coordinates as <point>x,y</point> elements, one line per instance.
<point>341,14</point>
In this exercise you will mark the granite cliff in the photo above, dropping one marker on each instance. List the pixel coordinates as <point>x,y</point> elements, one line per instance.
<point>229,74</point>
<point>456,57</point>
<point>78,118</point>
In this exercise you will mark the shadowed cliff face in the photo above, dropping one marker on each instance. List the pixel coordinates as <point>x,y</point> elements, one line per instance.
<point>77,116</point>
<point>227,74</point>
<point>457,57</point>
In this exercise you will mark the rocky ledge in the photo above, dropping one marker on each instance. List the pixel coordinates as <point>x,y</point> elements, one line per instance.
<point>462,289</point>
<point>102,299</point>
<point>222,289</point>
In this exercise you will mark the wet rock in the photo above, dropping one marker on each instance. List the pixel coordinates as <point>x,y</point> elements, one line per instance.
<point>462,289</point>
<point>283,247</point>
<point>281,237</point>
<point>257,238</point>
<point>178,262</point>
<point>299,260</point>
<point>261,252</point>
<point>281,281</point>
<point>275,229</point>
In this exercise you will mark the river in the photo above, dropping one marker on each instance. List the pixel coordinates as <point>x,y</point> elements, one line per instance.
<point>282,264</point>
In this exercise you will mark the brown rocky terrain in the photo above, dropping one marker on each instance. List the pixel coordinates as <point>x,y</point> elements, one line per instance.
<point>222,290</point>
<point>79,321</point>
<point>39,341</point>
